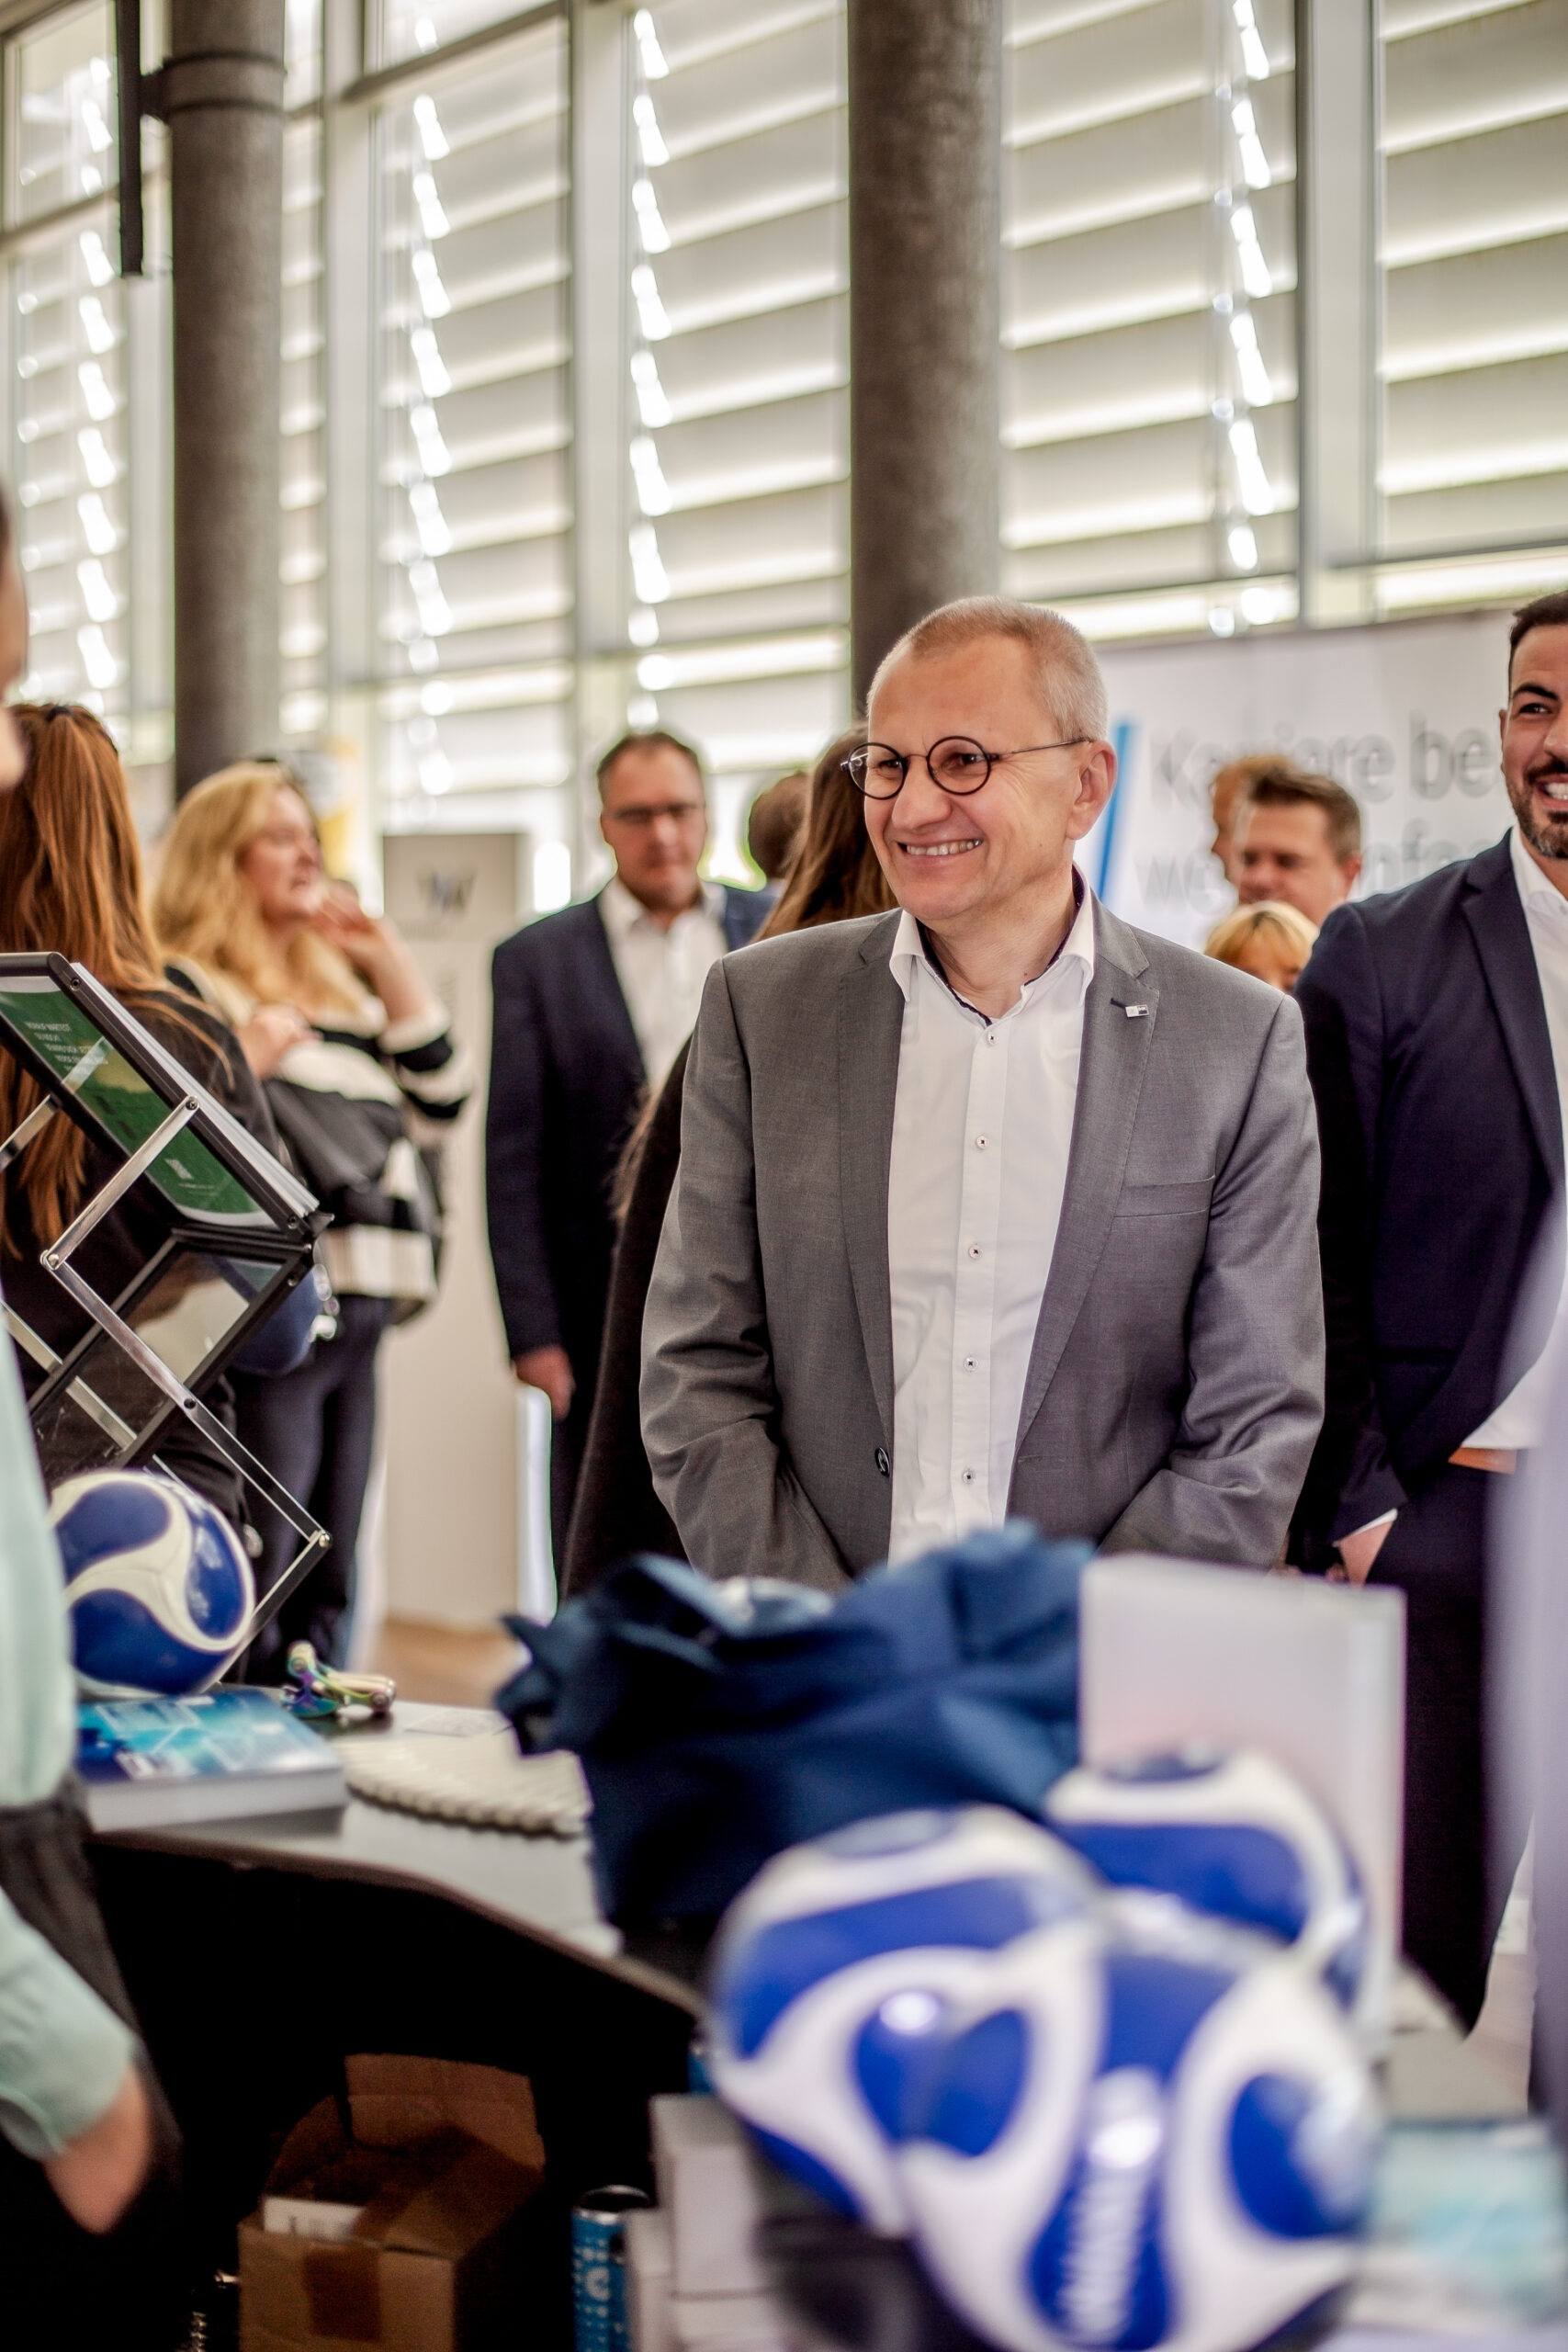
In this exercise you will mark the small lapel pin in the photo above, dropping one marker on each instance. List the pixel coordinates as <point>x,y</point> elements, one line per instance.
<point>1133,1012</point>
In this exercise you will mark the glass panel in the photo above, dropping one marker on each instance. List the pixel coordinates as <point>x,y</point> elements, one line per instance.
<point>476,589</point>
<point>193,1305</point>
<point>1149,370</point>
<point>64,1037</point>
<point>69,338</point>
<point>413,28</point>
<point>301,53</point>
<point>66,114</point>
<point>739,430</point>
<point>1473,253</point>
<point>303,622</point>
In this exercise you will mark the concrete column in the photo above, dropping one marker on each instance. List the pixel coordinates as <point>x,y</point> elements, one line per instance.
<point>925,261</point>
<point>220,92</point>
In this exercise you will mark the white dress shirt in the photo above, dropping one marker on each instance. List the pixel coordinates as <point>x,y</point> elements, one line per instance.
<point>982,1126</point>
<point>1517,1421</point>
<point>661,970</point>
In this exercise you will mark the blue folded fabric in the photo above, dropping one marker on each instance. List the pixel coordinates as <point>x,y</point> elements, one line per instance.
<point>718,1723</point>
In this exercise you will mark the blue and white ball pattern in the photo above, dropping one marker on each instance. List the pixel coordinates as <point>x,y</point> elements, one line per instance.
<point>158,1589</point>
<point>831,1966</point>
<point>1231,1834</point>
<point>1173,2148</point>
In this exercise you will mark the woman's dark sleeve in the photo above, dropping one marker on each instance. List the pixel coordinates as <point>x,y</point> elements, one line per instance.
<point>616,1512</point>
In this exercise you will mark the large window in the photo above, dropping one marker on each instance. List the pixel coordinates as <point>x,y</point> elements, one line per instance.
<point>1473,251</point>
<point>1149,268</point>
<point>556,460</point>
<point>67,318</point>
<point>737,427</point>
<point>474,553</point>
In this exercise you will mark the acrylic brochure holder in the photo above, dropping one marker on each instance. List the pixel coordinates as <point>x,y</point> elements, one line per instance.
<point>237,1228</point>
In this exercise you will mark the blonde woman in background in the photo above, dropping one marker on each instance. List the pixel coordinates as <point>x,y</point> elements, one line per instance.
<point>362,1074</point>
<point>1270,940</point>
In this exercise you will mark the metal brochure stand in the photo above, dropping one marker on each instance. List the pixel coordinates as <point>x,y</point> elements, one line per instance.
<point>238,1235</point>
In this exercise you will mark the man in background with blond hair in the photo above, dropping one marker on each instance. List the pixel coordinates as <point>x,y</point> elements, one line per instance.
<point>992,1206</point>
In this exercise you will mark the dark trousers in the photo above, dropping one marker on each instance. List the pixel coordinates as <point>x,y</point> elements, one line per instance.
<point>315,1429</point>
<point>1436,1553</point>
<point>62,2286</point>
<point>569,1442</point>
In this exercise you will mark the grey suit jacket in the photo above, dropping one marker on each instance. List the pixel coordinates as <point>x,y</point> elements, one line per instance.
<point>1176,1383</point>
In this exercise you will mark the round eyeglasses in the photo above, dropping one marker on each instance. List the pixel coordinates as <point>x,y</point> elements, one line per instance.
<point>957,765</point>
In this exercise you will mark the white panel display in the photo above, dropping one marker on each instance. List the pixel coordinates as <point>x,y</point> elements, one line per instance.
<point>1405,716</point>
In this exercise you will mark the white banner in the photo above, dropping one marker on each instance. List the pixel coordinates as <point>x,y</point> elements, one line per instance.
<point>1404,715</point>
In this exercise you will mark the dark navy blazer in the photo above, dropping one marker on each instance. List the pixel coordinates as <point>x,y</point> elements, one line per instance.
<point>1443,1151</point>
<point>566,1077</point>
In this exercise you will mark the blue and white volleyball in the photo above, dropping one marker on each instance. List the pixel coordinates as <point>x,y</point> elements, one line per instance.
<point>1233,1835</point>
<point>158,1587</point>
<point>833,1966</point>
<point>1172,2147</point>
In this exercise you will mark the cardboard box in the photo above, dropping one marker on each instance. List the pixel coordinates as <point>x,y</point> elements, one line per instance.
<point>444,2158</point>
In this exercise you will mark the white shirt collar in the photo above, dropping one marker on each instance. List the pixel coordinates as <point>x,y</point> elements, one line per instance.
<point>623,913</point>
<point>1536,892</point>
<point>908,949</point>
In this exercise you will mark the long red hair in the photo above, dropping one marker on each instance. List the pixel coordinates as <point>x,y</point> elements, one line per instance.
<point>71,881</point>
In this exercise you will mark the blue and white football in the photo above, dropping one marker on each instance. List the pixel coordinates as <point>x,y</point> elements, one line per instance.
<point>1231,1834</point>
<point>830,1967</point>
<point>158,1587</point>
<point>1172,2148</point>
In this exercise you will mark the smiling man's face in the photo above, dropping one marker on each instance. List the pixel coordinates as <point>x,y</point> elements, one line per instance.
<point>956,860</point>
<point>1535,740</point>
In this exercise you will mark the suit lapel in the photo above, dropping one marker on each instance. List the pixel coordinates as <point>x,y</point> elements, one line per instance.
<point>871,1024</point>
<point>1497,919</point>
<point>1114,1056</point>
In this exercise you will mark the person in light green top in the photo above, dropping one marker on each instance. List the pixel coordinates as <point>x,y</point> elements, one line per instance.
<point>66,2061</point>
<point>87,2244</point>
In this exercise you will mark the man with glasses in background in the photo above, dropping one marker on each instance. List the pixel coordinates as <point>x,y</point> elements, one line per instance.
<point>591,1006</point>
<point>993,1207</point>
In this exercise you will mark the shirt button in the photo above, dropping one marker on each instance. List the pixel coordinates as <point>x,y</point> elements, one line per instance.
<point>969,1477</point>
<point>973,1250</point>
<point>981,1141</point>
<point>991,1036</point>
<point>968,1363</point>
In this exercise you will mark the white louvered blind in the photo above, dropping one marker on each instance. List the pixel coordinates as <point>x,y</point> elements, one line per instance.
<point>67,338</point>
<point>1473,253</point>
<point>415,28</point>
<point>475,441</point>
<point>739,422</point>
<point>1149,373</point>
<point>302,620</point>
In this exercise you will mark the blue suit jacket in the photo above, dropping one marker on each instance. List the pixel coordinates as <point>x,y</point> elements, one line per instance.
<point>566,1079</point>
<point>1442,1149</point>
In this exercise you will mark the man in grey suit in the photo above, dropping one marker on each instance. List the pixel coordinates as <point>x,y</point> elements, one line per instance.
<point>994,1206</point>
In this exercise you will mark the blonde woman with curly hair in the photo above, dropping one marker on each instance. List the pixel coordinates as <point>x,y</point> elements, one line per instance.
<point>1270,940</point>
<point>362,1075</point>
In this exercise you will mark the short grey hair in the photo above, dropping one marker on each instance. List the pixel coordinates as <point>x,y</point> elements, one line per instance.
<point>1066,672</point>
